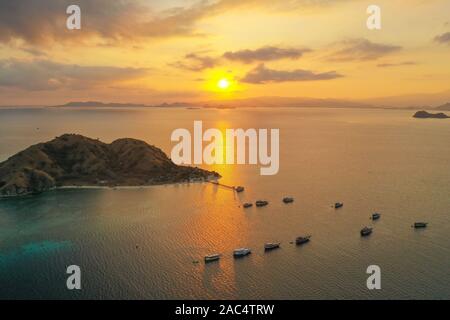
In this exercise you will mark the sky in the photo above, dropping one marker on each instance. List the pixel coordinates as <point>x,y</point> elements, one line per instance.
<point>155,51</point>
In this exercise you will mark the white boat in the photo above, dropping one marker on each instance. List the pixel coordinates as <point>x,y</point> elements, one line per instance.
<point>419,225</point>
<point>261,203</point>
<point>288,200</point>
<point>242,252</point>
<point>271,246</point>
<point>366,231</point>
<point>338,205</point>
<point>212,257</point>
<point>302,240</point>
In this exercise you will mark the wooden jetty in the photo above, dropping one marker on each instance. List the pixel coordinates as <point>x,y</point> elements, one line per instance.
<point>237,189</point>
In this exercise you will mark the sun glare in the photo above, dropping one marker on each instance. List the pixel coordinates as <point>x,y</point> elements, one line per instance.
<point>223,84</point>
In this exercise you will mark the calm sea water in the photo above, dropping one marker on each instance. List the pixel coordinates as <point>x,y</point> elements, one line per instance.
<point>373,160</point>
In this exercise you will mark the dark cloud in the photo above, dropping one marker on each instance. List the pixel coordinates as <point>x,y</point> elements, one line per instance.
<point>361,49</point>
<point>398,64</point>
<point>34,52</point>
<point>268,53</point>
<point>200,61</point>
<point>443,38</point>
<point>261,75</point>
<point>195,62</point>
<point>44,21</point>
<point>47,75</point>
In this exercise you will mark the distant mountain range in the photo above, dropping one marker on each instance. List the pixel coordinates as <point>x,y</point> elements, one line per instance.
<point>412,101</point>
<point>445,107</point>
<point>265,102</point>
<point>438,101</point>
<point>98,104</point>
<point>273,102</point>
<point>250,102</point>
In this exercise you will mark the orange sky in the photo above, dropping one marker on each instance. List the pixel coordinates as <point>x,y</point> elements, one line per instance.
<point>178,50</point>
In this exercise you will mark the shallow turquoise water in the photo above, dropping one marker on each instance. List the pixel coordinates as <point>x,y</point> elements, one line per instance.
<point>29,250</point>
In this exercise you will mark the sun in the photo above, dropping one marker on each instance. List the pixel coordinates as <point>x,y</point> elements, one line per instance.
<point>223,84</point>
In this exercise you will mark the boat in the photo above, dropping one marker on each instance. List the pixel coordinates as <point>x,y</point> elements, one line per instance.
<point>376,216</point>
<point>261,203</point>
<point>271,246</point>
<point>247,205</point>
<point>419,225</point>
<point>212,257</point>
<point>288,200</point>
<point>239,189</point>
<point>366,231</point>
<point>242,252</point>
<point>338,205</point>
<point>302,240</point>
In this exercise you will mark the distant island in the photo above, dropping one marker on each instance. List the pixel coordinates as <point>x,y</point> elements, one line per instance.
<point>427,115</point>
<point>75,160</point>
<point>263,102</point>
<point>99,104</point>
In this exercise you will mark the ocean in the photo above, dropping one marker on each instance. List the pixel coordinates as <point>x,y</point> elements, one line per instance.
<point>149,243</point>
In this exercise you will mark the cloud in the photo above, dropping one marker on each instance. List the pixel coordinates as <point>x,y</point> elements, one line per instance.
<point>443,38</point>
<point>199,61</point>
<point>38,75</point>
<point>34,52</point>
<point>361,49</point>
<point>104,19</point>
<point>389,65</point>
<point>195,62</point>
<point>267,53</point>
<point>261,75</point>
<point>43,22</point>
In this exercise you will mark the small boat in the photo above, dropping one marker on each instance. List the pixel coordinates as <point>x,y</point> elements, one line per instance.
<point>419,225</point>
<point>212,257</point>
<point>366,231</point>
<point>376,216</point>
<point>302,240</point>
<point>248,205</point>
<point>338,205</point>
<point>239,189</point>
<point>288,200</point>
<point>241,252</point>
<point>271,246</point>
<point>261,203</point>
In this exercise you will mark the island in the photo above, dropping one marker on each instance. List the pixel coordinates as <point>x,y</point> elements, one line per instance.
<point>99,104</point>
<point>72,160</point>
<point>427,115</point>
